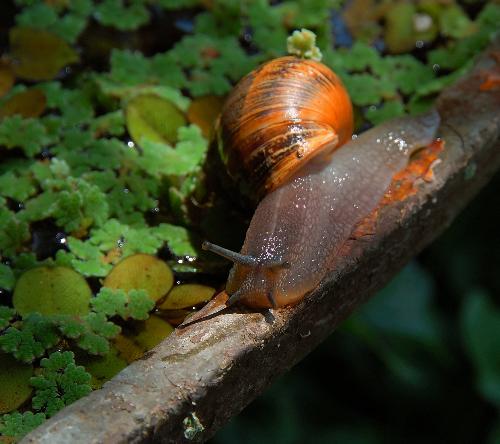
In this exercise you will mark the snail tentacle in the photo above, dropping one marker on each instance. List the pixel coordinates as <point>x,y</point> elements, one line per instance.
<point>243,259</point>
<point>233,256</point>
<point>240,293</point>
<point>235,297</point>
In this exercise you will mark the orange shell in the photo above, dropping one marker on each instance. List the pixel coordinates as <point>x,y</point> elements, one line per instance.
<point>280,116</point>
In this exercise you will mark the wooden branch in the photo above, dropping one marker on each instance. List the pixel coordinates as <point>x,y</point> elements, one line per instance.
<point>202,375</point>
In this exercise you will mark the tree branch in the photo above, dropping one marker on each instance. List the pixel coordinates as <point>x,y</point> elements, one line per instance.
<point>203,374</point>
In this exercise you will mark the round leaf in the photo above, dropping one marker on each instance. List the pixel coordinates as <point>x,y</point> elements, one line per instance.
<point>152,332</point>
<point>15,386</point>
<point>402,32</point>
<point>103,368</point>
<point>187,295</point>
<point>30,103</point>
<point>203,111</point>
<point>154,118</point>
<point>141,272</point>
<point>6,79</point>
<point>39,54</point>
<point>127,349</point>
<point>52,290</point>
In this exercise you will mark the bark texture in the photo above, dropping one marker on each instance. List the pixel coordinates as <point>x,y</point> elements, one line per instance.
<point>191,384</point>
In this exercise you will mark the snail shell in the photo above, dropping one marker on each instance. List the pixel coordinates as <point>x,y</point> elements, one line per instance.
<point>277,118</point>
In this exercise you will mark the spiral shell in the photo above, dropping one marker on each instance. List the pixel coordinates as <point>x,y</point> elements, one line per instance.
<point>277,118</point>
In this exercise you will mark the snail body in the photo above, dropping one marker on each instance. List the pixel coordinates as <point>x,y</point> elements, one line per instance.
<point>299,227</point>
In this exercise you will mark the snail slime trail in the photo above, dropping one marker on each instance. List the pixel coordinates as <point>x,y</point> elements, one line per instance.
<point>298,229</point>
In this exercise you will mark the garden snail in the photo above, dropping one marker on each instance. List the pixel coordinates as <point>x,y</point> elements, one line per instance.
<point>304,219</point>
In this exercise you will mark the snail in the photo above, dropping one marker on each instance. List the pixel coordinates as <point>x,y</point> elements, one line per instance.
<point>307,214</point>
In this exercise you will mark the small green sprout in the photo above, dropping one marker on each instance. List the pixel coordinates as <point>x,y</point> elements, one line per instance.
<point>192,426</point>
<point>303,44</point>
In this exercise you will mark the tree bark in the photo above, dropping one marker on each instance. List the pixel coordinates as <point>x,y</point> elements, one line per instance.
<point>205,373</point>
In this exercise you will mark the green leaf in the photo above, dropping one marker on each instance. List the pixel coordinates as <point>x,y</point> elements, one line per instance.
<point>130,240</point>
<point>179,239</point>
<point>70,326</point>
<point>387,111</point>
<point>364,89</point>
<point>268,25</point>
<point>139,305</point>
<point>109,301</point>
<point>453,22</point>
<point>87,258</point>
<point>136,304</point>
<point>94,344</point>
<point>80,207</point>
<point>153,118</point>
<point>112,124</point>
<point>74,104</point>
<point>14,232</point>
<point>481,336</point>
<point>187,156</point>
<point>52,290</point>
<point>400,30</point>
<point>43,16</point>
<point>141,272</point>
<point>69,27</point>
<point>38,15</point>
<point>103,368</point>
<point>129,68</point>
<point>60,382</point>
<point>27,134</point>
<point>178,4</point>
<point>81,7</point>
<point>121,16</point>
<point>36,334</point>
<point>360,57</point>
<point>166,71</point>
<point>39,54</point>
<point>406,72</point>
<point>6,315</point>
<point>15,388</point>
<point>39,207</point>
<point>7,278</point>
<point>101,326</point>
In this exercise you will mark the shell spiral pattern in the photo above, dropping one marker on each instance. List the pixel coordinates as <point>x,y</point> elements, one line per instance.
<point>279,117</point>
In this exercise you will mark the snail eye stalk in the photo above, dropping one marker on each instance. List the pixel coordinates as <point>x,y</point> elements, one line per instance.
<point>237,258</point>
<point>242,259</point>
